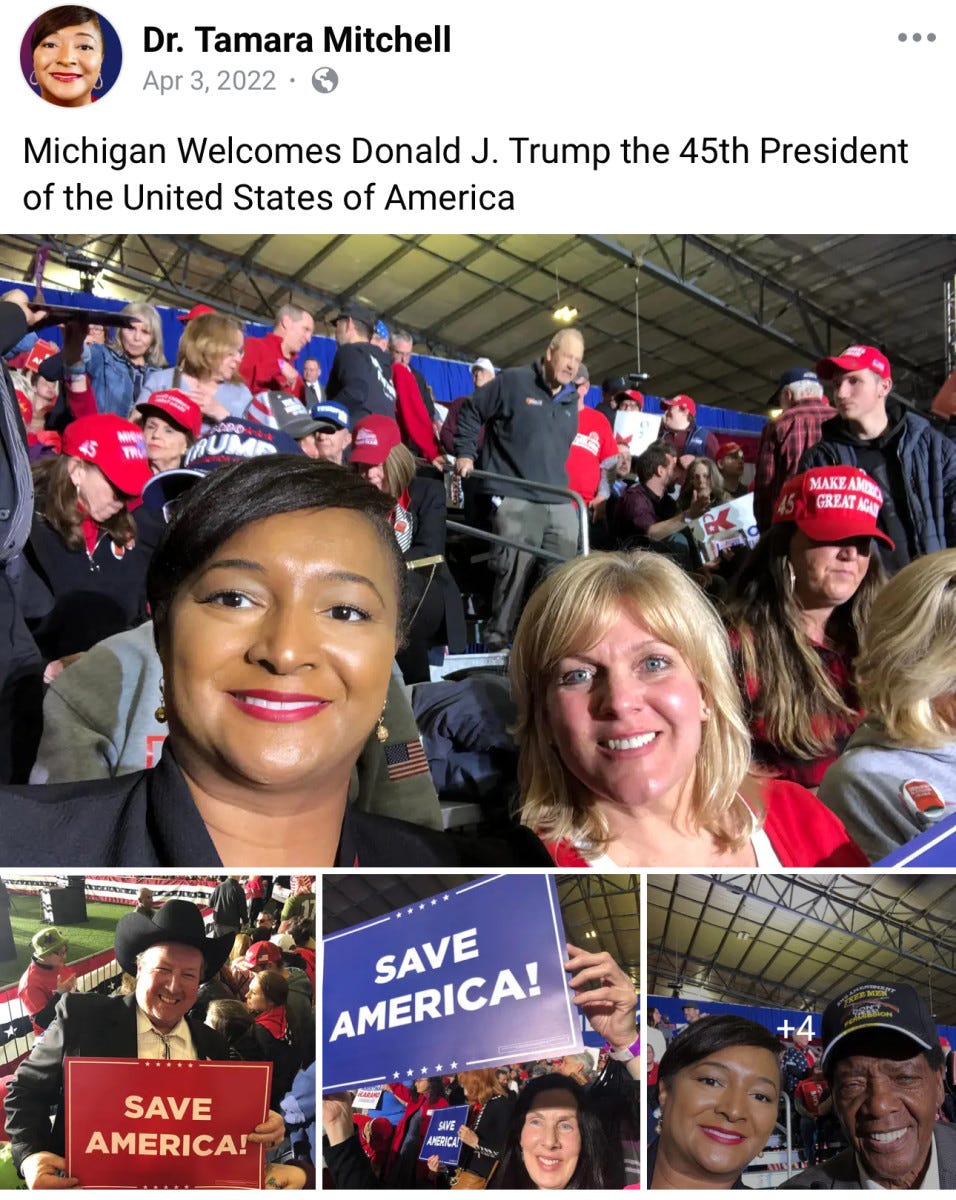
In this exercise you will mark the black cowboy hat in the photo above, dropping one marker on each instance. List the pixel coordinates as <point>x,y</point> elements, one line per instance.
<point>177,921</point>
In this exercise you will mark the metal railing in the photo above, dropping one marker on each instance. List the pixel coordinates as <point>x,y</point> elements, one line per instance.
<point>584,540</point>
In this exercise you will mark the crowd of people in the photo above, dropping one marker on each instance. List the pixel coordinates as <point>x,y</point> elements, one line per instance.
<point>870,1108</point>
<point>182,526</point>
<point>245,993</point>
<point>551,1123</point>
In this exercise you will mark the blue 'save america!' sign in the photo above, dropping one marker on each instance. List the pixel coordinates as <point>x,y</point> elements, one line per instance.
<point>468,978</point>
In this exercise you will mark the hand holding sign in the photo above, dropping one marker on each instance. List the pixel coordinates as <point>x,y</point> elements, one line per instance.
<point>611,1007</point>
<point>270,1132</point>
<point>337,1116</point>
<point>46,1170</point>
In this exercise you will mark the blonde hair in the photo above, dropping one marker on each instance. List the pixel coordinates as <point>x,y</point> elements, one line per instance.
<point>399,468</point>
<point>479,1086</point>
<point>908,652</point>
<point>204,343</point>
<point>240,944</point>
<point>155,355</point>
<point>568,613</point>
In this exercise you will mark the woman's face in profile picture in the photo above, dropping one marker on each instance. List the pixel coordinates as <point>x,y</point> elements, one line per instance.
<point>67,64</point>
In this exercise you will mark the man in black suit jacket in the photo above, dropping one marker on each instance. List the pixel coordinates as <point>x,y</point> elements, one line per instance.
<point>884,1064</point>
<point>170,956</point>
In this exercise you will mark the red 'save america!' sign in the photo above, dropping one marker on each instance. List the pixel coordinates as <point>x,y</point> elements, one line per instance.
<point>164,1123</point>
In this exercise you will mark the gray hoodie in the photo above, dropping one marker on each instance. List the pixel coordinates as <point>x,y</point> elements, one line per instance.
<point>99,721</point>
<point>864,787</point>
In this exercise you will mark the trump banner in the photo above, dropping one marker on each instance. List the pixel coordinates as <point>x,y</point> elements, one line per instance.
<point>468,978</point>
<point>165,1123</point>
<point>442,1137</point>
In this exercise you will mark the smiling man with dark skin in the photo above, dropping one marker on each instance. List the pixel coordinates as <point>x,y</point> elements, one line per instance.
<point>884,1064</point>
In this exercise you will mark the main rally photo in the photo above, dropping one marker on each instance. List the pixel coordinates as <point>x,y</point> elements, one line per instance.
<point>157,1031</point>
<point>477,552</point>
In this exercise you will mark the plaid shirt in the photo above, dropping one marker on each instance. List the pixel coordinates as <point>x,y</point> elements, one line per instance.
<point>782,445</point>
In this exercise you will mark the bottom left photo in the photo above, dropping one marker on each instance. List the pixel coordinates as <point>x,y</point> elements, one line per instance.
<point>157,1031</point>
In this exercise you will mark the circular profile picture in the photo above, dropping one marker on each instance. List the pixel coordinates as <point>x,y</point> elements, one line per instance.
<point>70,56</point>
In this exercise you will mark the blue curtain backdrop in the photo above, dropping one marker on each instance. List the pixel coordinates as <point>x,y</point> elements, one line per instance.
<point>447,379</point>
<point>773,1018</point>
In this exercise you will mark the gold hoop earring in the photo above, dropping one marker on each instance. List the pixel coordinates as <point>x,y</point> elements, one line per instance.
<point>160,713</point>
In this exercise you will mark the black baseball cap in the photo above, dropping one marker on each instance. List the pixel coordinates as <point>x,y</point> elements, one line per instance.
<point>894,1006</point>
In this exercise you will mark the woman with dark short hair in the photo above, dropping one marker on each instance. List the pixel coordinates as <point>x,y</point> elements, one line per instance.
<point>277,596</point>
<point>67,49</point>
<point>719,1087</point>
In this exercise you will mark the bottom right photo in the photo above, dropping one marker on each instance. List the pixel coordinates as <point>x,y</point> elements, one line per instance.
<point>799,1031</point>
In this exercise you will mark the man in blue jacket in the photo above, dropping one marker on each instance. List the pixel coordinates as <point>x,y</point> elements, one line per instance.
<point>913,463</point>
<point>530,417</point>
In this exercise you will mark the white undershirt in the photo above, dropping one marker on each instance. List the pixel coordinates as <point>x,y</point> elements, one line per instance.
<point>150,1044</point>
<point>763,849</point>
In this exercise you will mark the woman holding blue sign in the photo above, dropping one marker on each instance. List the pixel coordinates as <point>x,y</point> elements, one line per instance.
<point>633,749</point>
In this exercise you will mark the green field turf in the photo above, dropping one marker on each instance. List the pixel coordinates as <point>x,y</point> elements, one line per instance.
<point>95,934</point>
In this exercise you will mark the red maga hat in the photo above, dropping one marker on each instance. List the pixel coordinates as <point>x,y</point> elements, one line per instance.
<point>197,310</point>
<point>855,358</point>
<point>832,503</point>
<point>373,438</point>
<point>681,401</point>
<point>115,446</point>
<point>175,406</point>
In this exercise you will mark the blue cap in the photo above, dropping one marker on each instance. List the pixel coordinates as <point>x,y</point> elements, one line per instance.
<point>328,410</point>
<point>231,441</point>
<point>794,375</point>
<point>381,329</point>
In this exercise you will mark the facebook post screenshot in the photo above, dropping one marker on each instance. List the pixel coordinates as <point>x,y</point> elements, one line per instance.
<point>377,493</point>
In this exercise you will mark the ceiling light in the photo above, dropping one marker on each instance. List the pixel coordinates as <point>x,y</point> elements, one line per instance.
<point>565,314</point>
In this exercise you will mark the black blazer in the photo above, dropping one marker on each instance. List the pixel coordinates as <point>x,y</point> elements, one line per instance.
<point>90,1026</point>
<point>151,820</point>
<point>840,1173</point>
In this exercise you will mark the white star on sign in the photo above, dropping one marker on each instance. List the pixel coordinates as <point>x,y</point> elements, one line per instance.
<point>421,908</point>
<point>396,1074</point>
<point>434,901</point>
<point>410,911</point>
<point>409,1071</point>
<point>424,1071</point>
<point>10,1031</point>
<point>445,897</point>
<point>454,1066</point>
<point>438,1066</point>
<point>398,916</point>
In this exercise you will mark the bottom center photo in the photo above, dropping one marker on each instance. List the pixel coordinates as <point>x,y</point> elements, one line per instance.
<point>480,1031</point>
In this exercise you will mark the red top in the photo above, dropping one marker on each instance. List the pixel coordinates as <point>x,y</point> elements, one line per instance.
<point>415,1101</point>
<point>808,772</point>
<point>593,444</point>
<point>412,415</point>
<point>802,831</point>
<point>260,367</point>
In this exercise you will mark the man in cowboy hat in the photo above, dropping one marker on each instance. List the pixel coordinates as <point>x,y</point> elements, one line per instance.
<point>170,956</point>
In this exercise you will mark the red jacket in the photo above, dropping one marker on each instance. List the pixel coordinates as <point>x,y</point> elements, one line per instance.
<point>415,1102</point>
<point>802,831</point>
<point>412,415</point>
<point>260,367</point>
